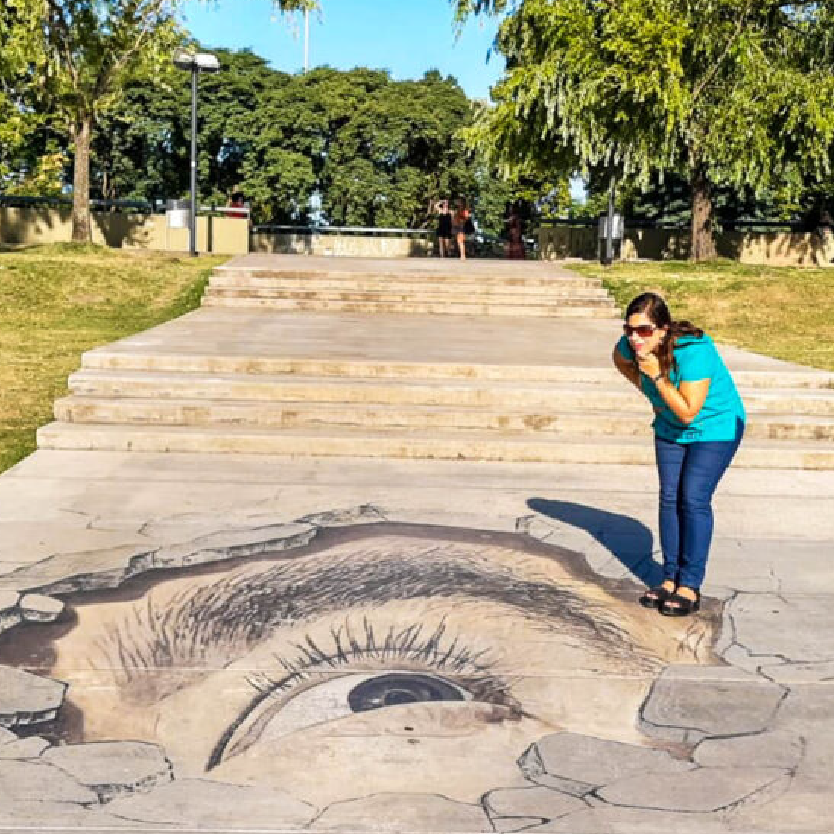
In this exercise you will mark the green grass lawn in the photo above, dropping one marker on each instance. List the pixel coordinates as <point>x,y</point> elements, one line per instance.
<point>784,312</point>
<point>58,301</point>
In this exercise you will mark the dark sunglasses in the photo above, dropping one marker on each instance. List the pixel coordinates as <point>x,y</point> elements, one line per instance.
<point>642,330</point>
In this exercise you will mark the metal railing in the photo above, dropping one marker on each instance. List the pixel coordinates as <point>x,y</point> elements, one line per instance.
<point>344,230</point>
<point>14,201</point>
<point>727,225</point>
<point>241,212</point>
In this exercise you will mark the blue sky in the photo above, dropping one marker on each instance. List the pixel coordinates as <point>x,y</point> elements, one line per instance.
<point>406,37</point>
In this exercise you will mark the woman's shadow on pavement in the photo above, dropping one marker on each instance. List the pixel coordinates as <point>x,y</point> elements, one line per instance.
<point>629,540</point>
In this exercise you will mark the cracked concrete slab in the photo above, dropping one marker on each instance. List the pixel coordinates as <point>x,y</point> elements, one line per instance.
<point>27,699</point>
<point>39,608</point>
<point>201,803</point>
<point>808,711</point>
<point>537,802</point>
<point>616,820</point>
<point>775,627</point>
<point>803,807</point>
<point>403,812</point>
<point>794,673</point>
<point>24,748</point>
<point>61,816</point>
<point>777,748</point>
<point>585,760</point>
<point>30,782</point>
<point>701,790</point>
<point>505,825</point>
<point>687,703</point>
<point>112,769</point>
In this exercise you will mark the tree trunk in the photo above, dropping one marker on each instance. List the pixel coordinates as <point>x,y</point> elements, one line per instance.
<point>81,222</point>
<point>703,244</point>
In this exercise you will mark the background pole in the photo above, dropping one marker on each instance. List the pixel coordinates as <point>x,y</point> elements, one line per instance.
<point>609,232</point>
<point>192,233</point>
<point>306,40</point>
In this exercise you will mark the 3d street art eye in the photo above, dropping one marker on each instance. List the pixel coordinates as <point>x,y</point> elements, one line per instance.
<point>422,676</point>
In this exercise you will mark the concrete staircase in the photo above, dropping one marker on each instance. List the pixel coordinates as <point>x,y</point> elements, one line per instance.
<point>280,379</point>
<point>445,289</point>
<point>497,412</point>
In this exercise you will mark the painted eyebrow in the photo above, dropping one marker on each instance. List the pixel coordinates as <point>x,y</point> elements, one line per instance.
<point>241,610</point>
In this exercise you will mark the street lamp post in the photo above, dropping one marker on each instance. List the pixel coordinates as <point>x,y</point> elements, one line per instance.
<point>609,232</point>
<point>197,63</point>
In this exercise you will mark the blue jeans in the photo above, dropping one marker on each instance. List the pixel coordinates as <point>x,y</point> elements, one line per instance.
<point>689,474</point>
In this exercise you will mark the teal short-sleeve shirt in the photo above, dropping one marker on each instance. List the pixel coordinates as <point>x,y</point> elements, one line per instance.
<point>723,409</point>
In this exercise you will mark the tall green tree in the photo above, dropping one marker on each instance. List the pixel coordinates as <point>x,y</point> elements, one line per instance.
<point>373,151</point>
<point>90,50</point>
<point>729,93</point>
<point>20,57</point>
<point>93,47</point>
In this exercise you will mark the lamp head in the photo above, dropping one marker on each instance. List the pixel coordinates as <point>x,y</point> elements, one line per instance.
<point>207,62</point>
<point>200,61</point>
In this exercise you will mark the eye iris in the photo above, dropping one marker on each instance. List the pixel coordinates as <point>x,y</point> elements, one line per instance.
<point>391,690</point>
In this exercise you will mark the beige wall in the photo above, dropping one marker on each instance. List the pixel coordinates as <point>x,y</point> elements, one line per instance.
<point>557,242</point>
<point>773,248</point>
<point>221,235</point>
<point>345,246</point>
<point>230,236</point>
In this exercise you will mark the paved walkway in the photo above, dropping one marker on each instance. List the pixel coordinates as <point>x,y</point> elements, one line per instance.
<point>272,643</point>
<point>217,332</point>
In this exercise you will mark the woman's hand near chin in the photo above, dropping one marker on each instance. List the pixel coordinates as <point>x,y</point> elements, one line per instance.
<point>649,364</point>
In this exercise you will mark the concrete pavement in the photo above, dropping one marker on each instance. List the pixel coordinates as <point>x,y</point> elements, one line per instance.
<point>280,643</point>
<point>748,741</point>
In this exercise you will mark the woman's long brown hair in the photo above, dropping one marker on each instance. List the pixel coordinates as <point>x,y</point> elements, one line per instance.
<point>652,306</point>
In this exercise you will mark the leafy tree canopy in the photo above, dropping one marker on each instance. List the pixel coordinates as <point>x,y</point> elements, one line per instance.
<point>19,40</point>
<point>75,58</point>
<point>724,92</point>
<point>366,149</point>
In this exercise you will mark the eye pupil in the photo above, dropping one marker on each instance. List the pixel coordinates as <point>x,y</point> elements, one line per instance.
<point>392,690</point>
<point>399,696</point>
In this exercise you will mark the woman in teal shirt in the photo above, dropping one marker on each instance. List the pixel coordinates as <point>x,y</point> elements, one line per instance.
<point>698,425</point>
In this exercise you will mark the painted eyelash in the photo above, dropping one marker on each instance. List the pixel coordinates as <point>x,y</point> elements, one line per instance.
<point>471,669</point>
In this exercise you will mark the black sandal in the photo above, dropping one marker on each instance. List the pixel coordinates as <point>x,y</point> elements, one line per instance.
<point>676,605</point>
<point>655,597</point>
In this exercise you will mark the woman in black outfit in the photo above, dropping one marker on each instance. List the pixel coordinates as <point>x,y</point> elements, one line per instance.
<point>444,228</point>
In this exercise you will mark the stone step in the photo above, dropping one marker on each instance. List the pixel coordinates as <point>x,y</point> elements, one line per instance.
<point>557,288</point>
<point>435,445</point>
<point>105,358</point>
<point>445,277</point>
<point>138,384</point>
<point>414,296</point>
<point>554,396</point>
<point>279,416</point>
<point>302,414</point>
<point>473,308</point>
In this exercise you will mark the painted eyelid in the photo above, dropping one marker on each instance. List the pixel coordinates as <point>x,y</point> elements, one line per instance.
<point>332,691</point>
<point>454,663</point>
<point>324,701</point>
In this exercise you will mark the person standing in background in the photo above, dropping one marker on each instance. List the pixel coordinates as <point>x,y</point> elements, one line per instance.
<point>237,201</point>
<point>444,228</point>
<point>515,234</point>
<point>460,224</point>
